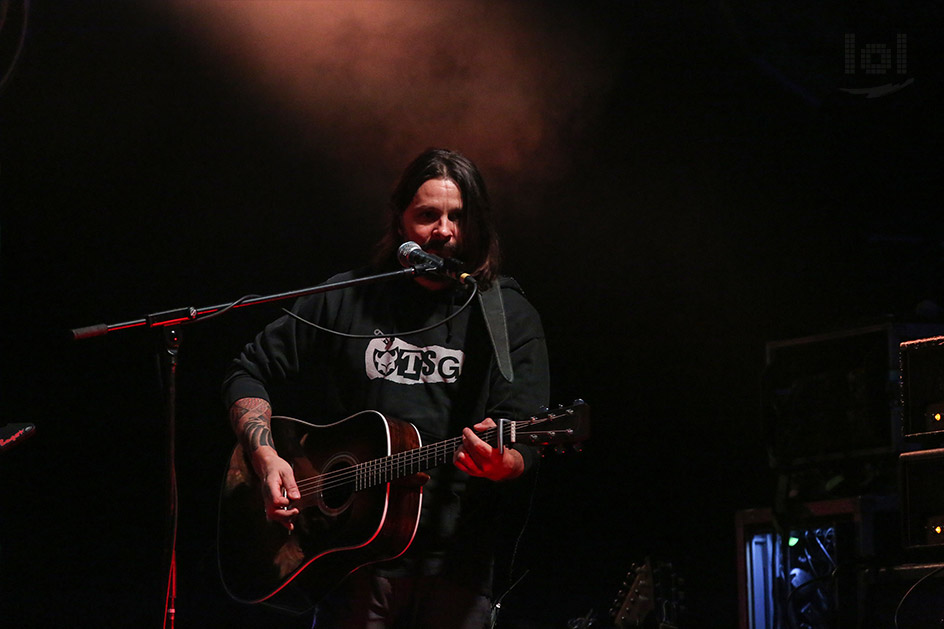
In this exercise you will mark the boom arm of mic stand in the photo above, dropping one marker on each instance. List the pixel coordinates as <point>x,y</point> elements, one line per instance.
<point>189,314</point>
<point>170,322</point>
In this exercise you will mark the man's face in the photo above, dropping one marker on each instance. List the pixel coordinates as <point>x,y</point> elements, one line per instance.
<point>431,220</point>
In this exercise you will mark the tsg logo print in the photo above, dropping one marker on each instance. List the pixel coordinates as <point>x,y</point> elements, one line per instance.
<point>403,363</point>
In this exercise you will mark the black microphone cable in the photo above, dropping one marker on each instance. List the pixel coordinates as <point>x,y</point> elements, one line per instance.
<point>472,294</point>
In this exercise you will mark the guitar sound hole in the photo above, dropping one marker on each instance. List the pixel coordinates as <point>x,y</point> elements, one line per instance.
<point>338,491</point>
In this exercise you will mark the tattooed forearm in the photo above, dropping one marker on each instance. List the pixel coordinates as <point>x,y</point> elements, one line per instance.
<point>250,420</point>
<point>256,433</point>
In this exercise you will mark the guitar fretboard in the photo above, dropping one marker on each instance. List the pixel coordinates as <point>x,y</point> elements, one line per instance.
<point>409,462</point>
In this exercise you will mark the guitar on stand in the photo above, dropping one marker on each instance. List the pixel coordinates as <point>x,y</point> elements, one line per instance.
<point>650,597</point>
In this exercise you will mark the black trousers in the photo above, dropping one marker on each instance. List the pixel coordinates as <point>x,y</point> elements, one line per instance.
<point>368,601</point>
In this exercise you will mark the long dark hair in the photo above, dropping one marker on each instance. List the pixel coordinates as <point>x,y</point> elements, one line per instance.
<point>479,248</point>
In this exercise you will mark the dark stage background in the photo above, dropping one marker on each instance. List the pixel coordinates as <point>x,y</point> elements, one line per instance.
<point>678,183</point>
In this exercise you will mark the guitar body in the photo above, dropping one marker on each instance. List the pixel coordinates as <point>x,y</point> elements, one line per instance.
<point>338,529</point>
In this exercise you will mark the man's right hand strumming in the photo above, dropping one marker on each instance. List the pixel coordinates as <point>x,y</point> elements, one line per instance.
<point>251,421</point>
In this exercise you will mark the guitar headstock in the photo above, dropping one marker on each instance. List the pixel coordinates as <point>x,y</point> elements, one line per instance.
<point>651,591</point>
<point>562,425</point>
<point>634,602</point>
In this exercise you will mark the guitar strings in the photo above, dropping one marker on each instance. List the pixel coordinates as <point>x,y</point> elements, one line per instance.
<point>373,472</point>
<point>378,466</point>
<point>377,471</point>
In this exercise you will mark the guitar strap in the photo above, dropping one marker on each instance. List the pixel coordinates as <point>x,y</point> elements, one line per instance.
<point>493,309</point>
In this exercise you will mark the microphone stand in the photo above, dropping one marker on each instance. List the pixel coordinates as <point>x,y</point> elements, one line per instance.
<point>170,322</point>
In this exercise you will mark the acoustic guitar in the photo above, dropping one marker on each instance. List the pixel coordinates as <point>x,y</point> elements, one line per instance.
<point>360,500</point>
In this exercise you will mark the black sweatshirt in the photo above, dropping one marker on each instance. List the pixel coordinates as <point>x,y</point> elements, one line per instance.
<point>440,380</point>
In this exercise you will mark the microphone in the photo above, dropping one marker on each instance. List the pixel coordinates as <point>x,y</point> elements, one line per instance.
<point>411,254</point>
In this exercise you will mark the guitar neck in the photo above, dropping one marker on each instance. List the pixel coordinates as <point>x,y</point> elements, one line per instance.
<point>563,425</point>
<point>409,462</point>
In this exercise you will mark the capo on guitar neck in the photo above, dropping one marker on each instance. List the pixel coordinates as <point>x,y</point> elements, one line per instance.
<point>501,434</point>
